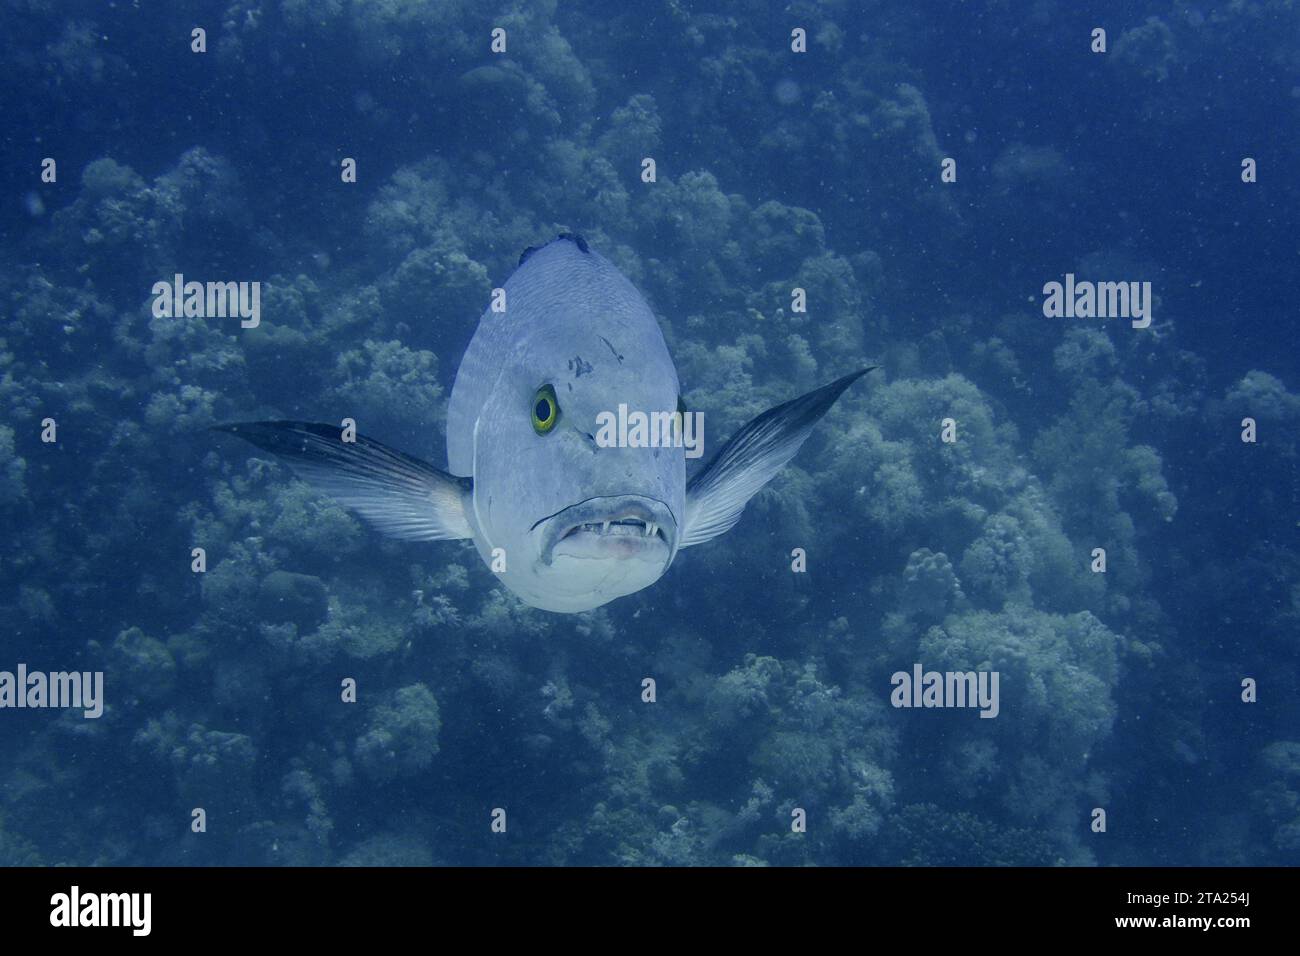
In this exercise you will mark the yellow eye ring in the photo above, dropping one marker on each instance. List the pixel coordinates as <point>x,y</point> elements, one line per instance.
<point>546,410</point>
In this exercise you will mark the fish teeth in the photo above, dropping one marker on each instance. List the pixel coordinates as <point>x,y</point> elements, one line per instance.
<point>650,529</point>
<point>605,530</point>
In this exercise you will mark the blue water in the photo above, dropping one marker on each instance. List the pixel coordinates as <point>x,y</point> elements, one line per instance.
<point>1121,735</point>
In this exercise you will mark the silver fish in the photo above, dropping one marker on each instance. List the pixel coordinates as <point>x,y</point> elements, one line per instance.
<point>566,521</point>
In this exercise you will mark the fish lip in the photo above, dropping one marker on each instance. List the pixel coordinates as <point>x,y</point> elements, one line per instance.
<point>606,508</point>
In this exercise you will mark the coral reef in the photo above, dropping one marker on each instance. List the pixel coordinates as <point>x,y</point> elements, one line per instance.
<point>971,550</point>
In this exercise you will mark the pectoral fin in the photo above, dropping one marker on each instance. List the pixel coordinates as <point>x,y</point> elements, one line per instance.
<point>401,496</point>
<point>716,497</point>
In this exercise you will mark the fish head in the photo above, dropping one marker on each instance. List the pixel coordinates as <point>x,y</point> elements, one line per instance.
<point>567,512</point>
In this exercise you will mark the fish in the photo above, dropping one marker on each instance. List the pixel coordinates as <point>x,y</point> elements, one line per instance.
<point>569,514</point>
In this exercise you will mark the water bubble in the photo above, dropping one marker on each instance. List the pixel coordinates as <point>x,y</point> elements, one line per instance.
<point>787,92</point>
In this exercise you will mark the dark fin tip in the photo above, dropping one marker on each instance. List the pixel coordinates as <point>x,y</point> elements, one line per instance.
<point>572,237</point>
<point>576,239</point>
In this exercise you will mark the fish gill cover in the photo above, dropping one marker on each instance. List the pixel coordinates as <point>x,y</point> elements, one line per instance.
<point>1027,594</point>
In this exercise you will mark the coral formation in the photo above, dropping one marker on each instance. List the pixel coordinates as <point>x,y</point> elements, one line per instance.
<point>772,687</point>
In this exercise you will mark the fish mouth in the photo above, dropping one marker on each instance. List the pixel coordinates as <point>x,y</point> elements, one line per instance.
<point>610,526</point>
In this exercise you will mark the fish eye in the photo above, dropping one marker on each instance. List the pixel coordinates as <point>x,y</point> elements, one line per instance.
<point>546,410</point>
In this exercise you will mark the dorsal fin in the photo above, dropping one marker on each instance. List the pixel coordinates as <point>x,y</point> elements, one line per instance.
<point>572,237</point>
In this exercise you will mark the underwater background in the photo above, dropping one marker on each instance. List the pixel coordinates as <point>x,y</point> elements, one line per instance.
<point>776,170</point>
